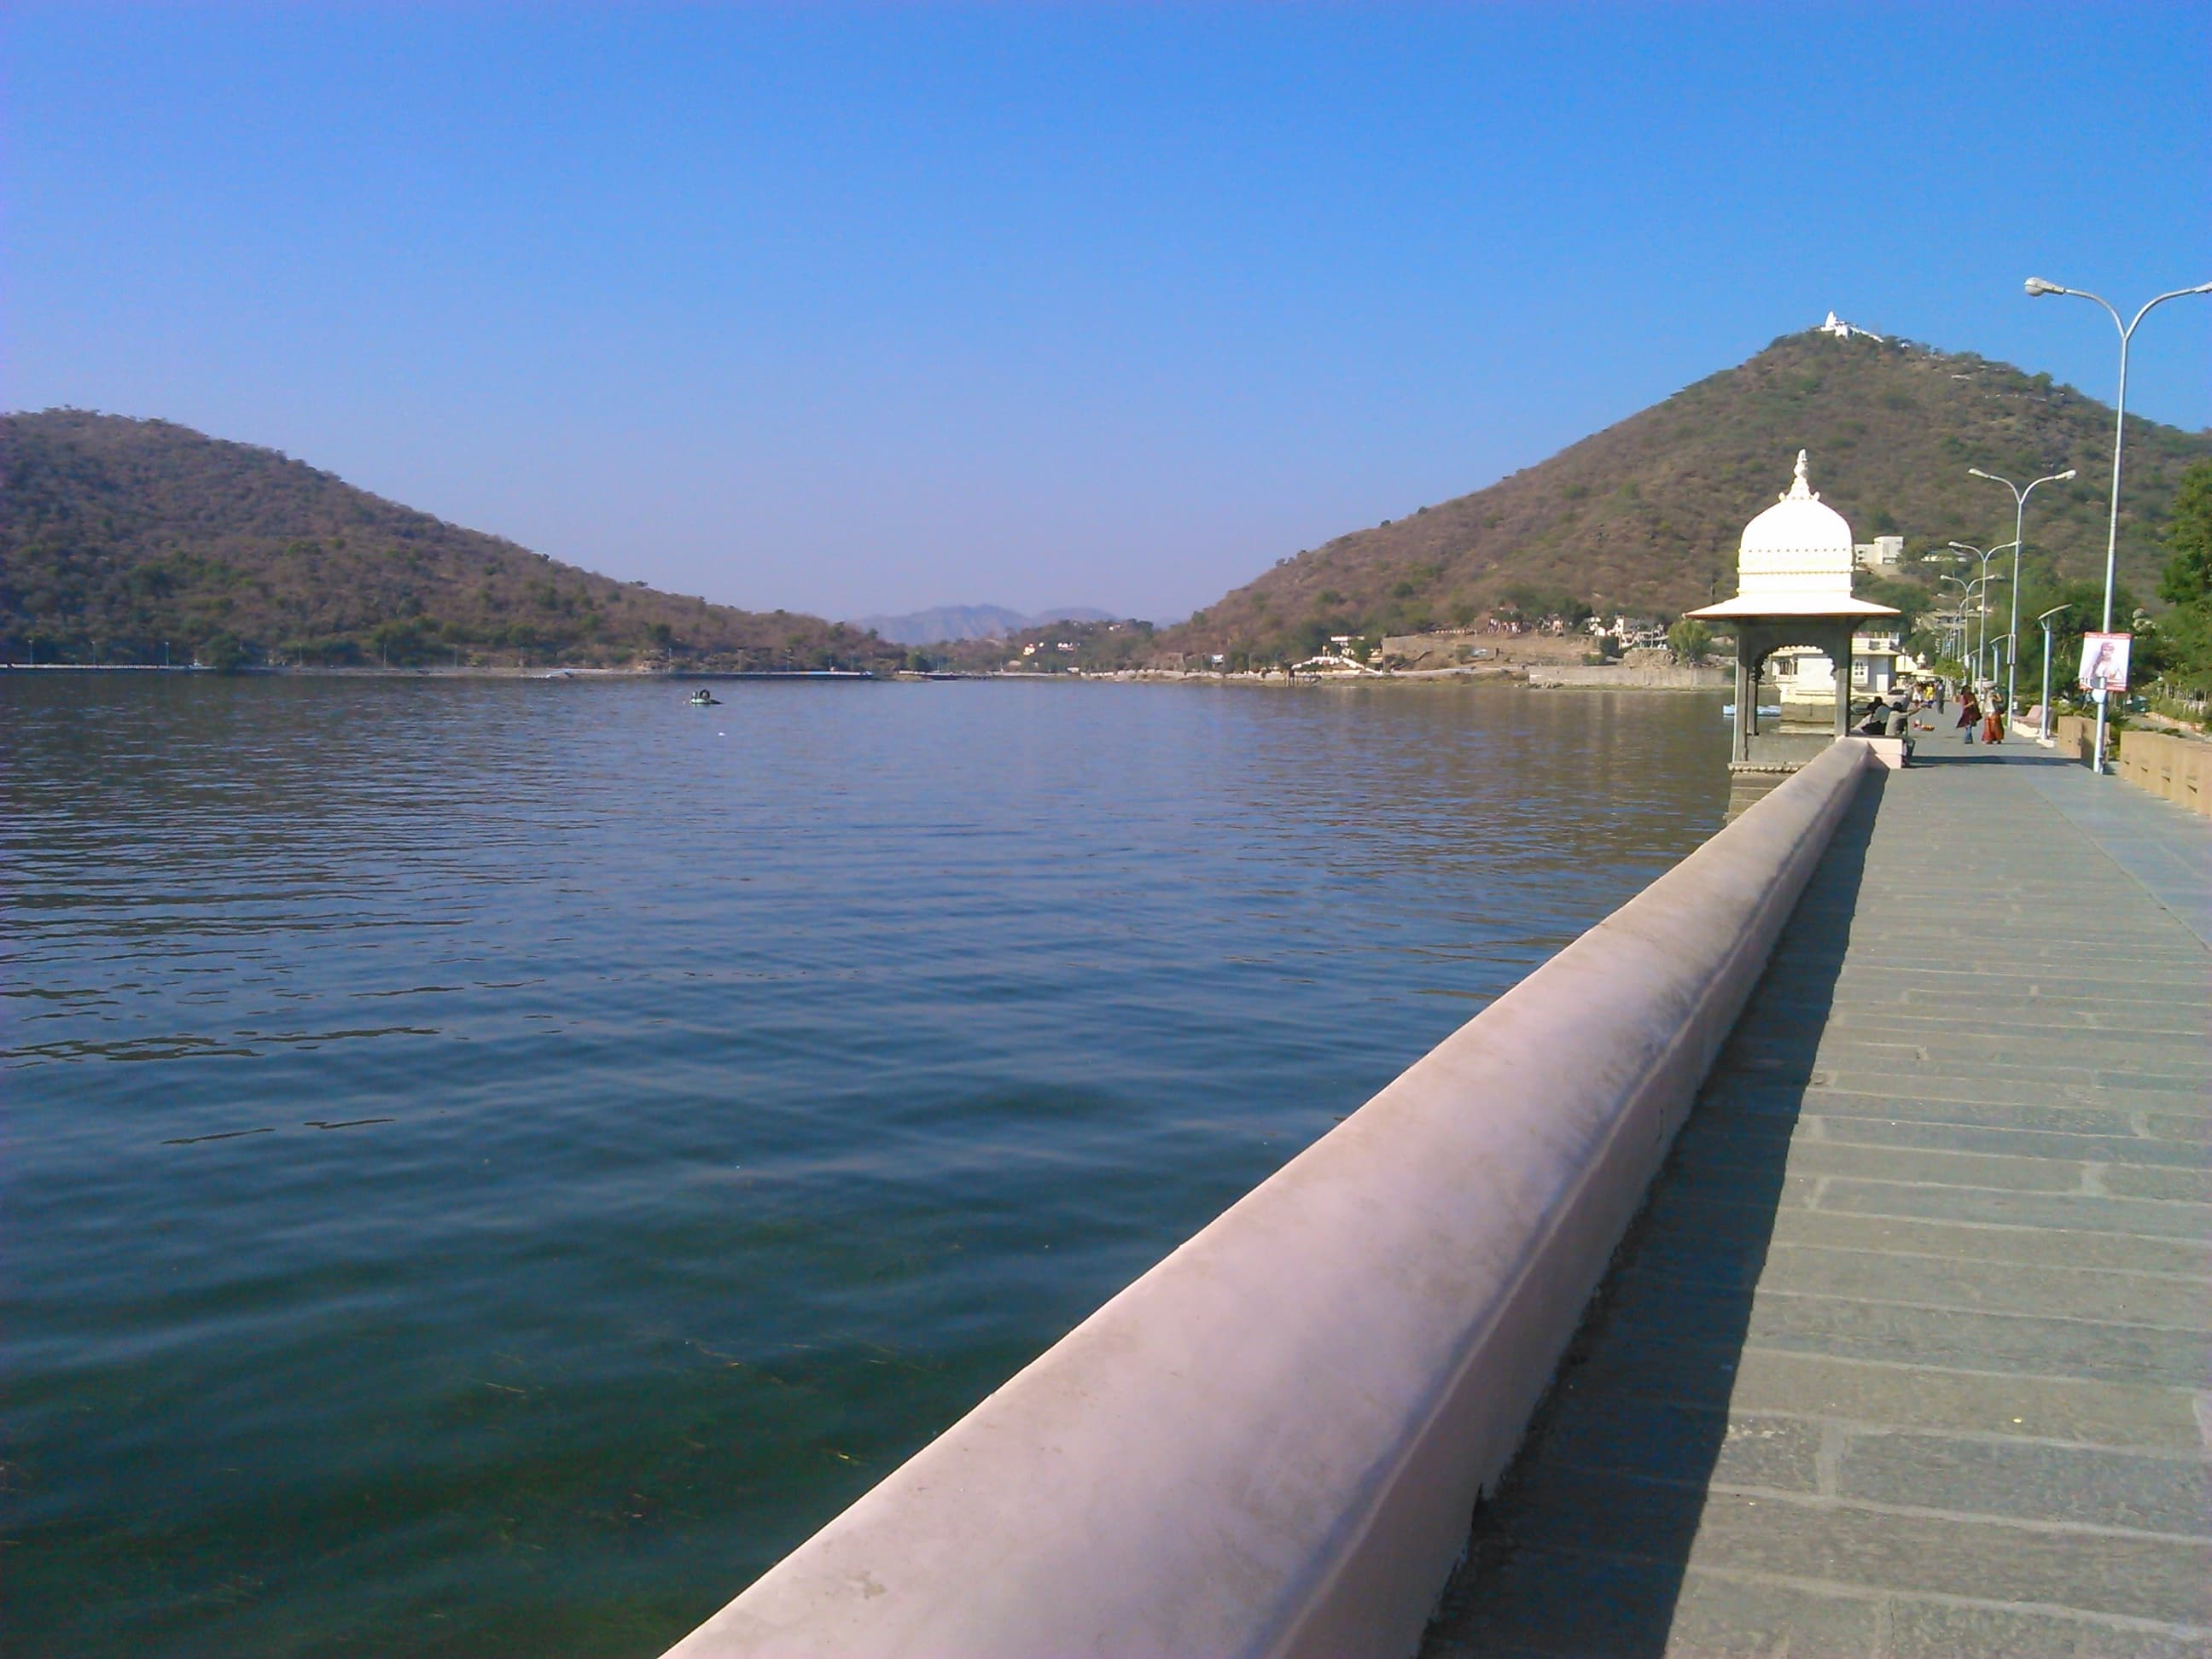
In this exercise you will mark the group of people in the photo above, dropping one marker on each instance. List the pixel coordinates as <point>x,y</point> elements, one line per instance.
<point>1974,715</point>
<point>1890,715</point>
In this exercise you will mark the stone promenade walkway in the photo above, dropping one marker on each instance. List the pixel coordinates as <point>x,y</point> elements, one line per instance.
<point>1908,1357</point>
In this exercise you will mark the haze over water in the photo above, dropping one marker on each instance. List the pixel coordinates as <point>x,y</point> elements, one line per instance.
<point>641,1126</point>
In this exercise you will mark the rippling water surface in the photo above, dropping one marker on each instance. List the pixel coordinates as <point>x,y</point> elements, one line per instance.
<point>491,1166</point>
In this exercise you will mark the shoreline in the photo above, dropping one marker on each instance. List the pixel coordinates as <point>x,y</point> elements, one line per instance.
<point>1500,675</point>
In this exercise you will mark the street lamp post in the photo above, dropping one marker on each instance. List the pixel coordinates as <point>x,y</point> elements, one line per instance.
<point>1983,613</point>
<point>2036,287</point>
<point>2019,537</point>
<point>1960,630</point>
<point>2044,622</point>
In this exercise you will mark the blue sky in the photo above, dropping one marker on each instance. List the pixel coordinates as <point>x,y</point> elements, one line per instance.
<point>866,309</point>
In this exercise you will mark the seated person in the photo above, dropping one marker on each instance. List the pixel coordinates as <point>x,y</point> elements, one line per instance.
<point>1899,724</point>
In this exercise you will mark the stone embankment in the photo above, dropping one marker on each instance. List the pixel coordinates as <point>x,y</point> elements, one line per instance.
<point>1271,1442</point>
<point>1619,677</point>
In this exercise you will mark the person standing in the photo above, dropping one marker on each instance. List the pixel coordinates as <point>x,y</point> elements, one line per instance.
<point>1993,723</point>
<point>1970,712</point>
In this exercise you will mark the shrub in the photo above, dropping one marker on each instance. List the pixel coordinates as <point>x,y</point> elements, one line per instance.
<point>1690,642</point>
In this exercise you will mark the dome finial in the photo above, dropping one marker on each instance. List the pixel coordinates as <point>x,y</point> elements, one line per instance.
<point>1801,489</point>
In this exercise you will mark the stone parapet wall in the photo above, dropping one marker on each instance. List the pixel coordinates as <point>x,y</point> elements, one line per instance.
<point>1271,1443</point>
<point>2178,769</point>
<point>2075,737</point>
<point>2174,768</point>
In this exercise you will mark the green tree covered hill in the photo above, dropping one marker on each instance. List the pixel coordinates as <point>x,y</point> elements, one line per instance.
<point>1644,516</point>
<point>117,535</point>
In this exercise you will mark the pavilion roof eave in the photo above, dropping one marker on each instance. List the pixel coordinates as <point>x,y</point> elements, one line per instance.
<point>1742,609</point>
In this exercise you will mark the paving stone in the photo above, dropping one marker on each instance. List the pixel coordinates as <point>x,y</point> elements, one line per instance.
<point>1821,1541</point>
<point>1951,1339</point>
<point>2190,1083</point>
<point>1784,1106</point>
<point>2186,1186</point>
<point>1972,1241</point>
<point>2119,1414</point>
<point>2030,1482</point>
<point>1934,1630</point>
<point>2020,1019</point>
<point>1576,1604</point>
<point>2018,1141</point>
<point>1666,1440</point>
<point>1926,1167</point>
<point>2134,1577</point>
<point>1977,1051</point>
<point>1719,1617</point>
<point>2059,1086</point>
<point>1997,1287</point>
<point>2150,1219</point>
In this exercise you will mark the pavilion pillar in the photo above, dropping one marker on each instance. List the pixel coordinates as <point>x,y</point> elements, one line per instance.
<point>1746,693</point>
<point>1842,659</point>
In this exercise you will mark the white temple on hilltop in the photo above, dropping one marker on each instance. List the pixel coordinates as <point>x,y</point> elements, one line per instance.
<point>1793,606</point>
<point>1843,331</point>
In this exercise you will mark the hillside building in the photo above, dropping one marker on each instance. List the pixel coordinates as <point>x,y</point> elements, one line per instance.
<point>1843,331</point>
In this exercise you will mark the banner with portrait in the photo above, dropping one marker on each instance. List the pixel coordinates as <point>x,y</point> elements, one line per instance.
<point>2104,661</point>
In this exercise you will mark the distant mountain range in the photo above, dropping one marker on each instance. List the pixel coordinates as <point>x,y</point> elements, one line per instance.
<point>118,536</point>
<point>121,537</point>
<point>949,624</point>
<point>1644,516</point>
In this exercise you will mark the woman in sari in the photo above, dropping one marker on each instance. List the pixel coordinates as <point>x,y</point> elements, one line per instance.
<point>1970,712</point>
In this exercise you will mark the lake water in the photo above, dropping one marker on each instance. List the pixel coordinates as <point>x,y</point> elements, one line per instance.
<point>491,1166</point>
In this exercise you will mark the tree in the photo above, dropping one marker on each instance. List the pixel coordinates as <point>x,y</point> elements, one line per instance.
<point>1908,599</point>
<point>1690,642</point>
<point>2182,639</point>
<point>222,653</point>
<point>2187,579</point>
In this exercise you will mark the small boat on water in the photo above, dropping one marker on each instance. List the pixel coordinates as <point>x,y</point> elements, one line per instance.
<point>702,698</point>
<point>1728,709</point>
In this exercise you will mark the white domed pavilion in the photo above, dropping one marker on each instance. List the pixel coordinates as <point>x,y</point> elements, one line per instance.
<point>1793,589</point>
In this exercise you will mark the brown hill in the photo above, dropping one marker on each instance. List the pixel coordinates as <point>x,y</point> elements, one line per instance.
<point>117,535</point>
<point>1644,516</point>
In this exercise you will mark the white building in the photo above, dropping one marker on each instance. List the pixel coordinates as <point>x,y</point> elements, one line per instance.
<point>1843,331</point>
<point>1882,553</point>
<point>1805,676</point>
<point>1794,571</point>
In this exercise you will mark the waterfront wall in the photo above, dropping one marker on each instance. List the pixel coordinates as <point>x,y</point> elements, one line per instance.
<point>1596,675</point>
<point>1271,1443</point>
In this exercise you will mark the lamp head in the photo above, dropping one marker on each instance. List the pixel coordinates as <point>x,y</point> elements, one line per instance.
<point>1960,547</point>
<point>1976,473</point>
<point>2036,286</point>
<point>2063,477</point>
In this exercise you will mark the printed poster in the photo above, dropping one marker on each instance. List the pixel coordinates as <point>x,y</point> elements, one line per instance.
<point>2104,661</point>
